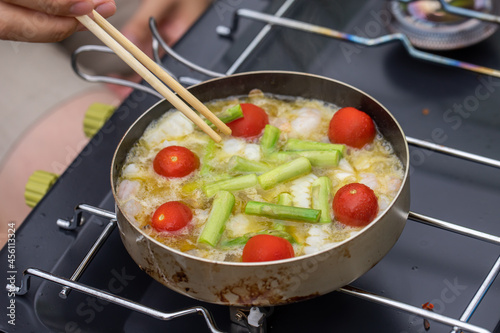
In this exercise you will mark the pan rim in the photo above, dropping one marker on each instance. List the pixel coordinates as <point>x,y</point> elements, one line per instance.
<point>365,229</point>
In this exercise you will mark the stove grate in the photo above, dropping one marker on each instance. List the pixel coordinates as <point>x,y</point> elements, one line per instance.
<point>72,283</point>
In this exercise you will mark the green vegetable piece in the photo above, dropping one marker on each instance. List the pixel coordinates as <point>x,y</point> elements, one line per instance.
<point>278,226</point>
<point>322,158</point>
<point>244,165</point>
<point>318,158</point>
<point>232,184</point>
<point>282,234</point>
<point>209,155</point>
<point>238,241</point>
<point>282,156</point>
<point>299,145</point>
<point>241,241</point>
<point>321,193</point>
<point>222,207</point>
<point>285,199</point>
<point>282,212</point>
<point>228,115</point>
<point>284,172</point>
<point>269,140</point>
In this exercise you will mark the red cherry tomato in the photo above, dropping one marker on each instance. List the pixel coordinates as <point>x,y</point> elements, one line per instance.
<point>171,216</point>
<point>175,161</point>
<point>351,127</point>
<point>267,248</point>
<point>355,205</point>
<point>253,122</point>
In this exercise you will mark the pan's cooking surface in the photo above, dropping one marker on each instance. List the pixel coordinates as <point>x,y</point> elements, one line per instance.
<point>444,105</point>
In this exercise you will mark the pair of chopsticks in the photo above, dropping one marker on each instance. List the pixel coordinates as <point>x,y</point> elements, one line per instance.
<point>152,73</point>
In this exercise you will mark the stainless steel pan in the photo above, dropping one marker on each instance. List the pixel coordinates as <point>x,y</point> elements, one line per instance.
<point>285,281</point>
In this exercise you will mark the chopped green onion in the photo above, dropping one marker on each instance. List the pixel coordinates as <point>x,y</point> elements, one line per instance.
<point>269,140</point>
<point>228,115</point>
<point>284,172</point>
<point>285,199</point>
<point>299,145</point>
<point>222,207</point>
<point>242,240</point>
<point>321,192</point>
<point>244,165</point>
<point>232,184</point>
<point>282,212</point>
<point>318,158</point>
<point>209,155</point>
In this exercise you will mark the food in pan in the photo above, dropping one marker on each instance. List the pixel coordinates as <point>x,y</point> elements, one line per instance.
<point>296,176</point>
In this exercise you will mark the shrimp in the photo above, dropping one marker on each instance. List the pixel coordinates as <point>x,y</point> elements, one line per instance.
<point>394,184</point>
<point>172,125</point>
<point>307,122</point>
<point>131,170</point>
<point>127,189</point>
<point>153,138</point>
<point>175,125</point>
<point>369,179</point>
<point>252,152</point>
<point>282,124</point>
<point>233,146</point>
<point>131,208</point>
<point>383,203</point>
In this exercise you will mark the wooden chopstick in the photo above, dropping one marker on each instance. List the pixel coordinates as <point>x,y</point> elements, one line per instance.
<point>148,76</point>
<point>159,72</point>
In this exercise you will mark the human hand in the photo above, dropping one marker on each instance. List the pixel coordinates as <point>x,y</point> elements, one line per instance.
<point>46,20</point>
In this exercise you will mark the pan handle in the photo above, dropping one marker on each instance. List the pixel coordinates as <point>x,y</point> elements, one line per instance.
<point>105,79</point>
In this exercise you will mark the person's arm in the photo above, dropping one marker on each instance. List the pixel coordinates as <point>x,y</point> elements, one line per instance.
<point>46,20</point>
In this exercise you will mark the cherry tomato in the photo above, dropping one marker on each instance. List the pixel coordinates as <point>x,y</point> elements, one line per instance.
<point>171,216</point>
<point>351,127</point>
<point>175,161</point>
<point>355,205</point>
<point>253,122</point>
<point>267,248</point>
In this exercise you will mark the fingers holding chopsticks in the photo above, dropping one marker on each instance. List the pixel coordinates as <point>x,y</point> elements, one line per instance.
<point>56,7</point>
<point>46,20</point>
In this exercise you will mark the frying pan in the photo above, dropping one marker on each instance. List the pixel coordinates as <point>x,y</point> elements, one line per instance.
<point>283,281</point>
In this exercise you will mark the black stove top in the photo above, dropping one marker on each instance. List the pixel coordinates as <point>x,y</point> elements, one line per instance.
<point>444,105</point>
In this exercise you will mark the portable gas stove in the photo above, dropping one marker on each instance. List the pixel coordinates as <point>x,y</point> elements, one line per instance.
<point>440,276</point>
